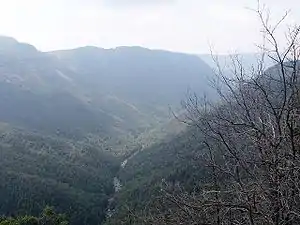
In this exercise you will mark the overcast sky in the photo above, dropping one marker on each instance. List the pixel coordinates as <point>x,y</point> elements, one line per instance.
<point>176,25</point>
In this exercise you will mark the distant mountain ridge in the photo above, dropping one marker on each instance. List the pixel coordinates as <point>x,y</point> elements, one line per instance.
<point>103,94</point>
<point>67,118</point>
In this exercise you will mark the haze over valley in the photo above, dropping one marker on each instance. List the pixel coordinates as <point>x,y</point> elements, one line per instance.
<point>86,108</point>
<point>157,126</point>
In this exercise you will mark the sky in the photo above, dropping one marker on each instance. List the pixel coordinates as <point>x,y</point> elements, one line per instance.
<point>191,26</point>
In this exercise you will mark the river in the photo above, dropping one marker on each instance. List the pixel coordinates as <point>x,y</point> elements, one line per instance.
<point>118,185</point>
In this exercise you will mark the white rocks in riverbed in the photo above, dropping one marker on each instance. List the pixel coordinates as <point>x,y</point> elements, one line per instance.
<point>117,184</point>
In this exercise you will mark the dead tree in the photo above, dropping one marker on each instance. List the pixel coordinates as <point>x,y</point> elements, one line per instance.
<point>252,136</point>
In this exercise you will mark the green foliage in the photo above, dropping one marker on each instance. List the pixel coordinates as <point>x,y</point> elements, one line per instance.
<point>174,161</point>
<point>48,217</point>
<point>86,92</point>
<point>38,170</point>
<point>73,109</point>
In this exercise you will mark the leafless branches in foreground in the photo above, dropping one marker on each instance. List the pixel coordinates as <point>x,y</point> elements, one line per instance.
<point>252,138</point>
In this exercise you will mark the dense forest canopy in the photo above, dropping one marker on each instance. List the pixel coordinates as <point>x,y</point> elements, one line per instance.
<point>137,136</point>
<point>69,118</point>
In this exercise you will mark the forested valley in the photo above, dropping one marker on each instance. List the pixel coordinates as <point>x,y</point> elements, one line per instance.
<point>136,136</point>
<point>70,118</point>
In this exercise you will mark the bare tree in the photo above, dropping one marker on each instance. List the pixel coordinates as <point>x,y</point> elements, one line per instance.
<point>252,138</point>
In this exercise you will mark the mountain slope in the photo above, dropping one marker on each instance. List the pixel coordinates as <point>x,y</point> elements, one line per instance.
<point>36,171</point>
<point>139,83</point>
<point>221,154</point>
<point>110,96</point>
<point>32,90</point>
<point>175,160</point>
<point>62,113</point>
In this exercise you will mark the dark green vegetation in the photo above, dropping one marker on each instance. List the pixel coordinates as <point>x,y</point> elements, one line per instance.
<point>47,217</point>
<point>175,161</point>
<point>68,119</point>
<point>39,170</point>
<point>107,96</point>
<point>238,162</point>
<point>135,86</point>
<point>88,131</point>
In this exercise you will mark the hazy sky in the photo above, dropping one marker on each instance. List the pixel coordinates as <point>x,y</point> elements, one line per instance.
<point>177,25</point>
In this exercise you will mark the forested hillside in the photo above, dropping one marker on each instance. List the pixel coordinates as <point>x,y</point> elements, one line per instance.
<point>40,170</point>
<point>105,96</point>
<point>134,85</point>
<point>135,136</point>
<point>69,118</point>
<point>174,161</point>
<point>47,217</point>
<point>238,160</point>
